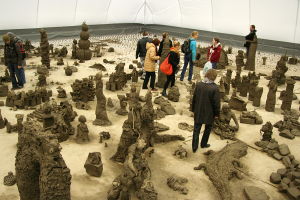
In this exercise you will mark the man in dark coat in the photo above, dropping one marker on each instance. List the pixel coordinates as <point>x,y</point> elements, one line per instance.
<point>141,50</point>
<point>13,60</point>
<point>206,107</point>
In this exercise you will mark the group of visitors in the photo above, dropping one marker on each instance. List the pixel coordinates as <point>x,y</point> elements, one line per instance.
<point>206,98</point>
<point>14,58</point>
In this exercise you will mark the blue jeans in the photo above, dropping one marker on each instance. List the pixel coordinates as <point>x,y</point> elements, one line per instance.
<point>214,65</point>
<point>22,76</point>
<point>15,72</point>
<point>187,60</point>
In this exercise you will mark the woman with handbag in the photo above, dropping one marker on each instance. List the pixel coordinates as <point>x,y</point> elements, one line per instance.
<point>150,62</point>
<point>173,58</point>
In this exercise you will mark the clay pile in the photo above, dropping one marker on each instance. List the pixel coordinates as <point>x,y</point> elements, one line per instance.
<point>165,105</point>
<point>83,90</point>
<point>41,171</point>
<point>251,117</point>
<point>289,127</point>
<point>173,94</point>
<point>25,100</point>
<point>118,79</point>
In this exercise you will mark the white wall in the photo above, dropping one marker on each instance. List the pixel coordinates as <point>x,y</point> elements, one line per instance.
<point>274,19</point>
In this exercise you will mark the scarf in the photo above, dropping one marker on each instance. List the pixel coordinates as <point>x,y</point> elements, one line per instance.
<point>175,50</point>
<point>213,47</point>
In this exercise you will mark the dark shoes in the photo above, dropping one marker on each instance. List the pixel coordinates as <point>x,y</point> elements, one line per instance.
<point>16,88</point>
<point>164,93</point>
<point>154,89</point>
<point>206,146</point>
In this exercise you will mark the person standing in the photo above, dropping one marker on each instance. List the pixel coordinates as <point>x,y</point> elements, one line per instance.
<point>164,36</point>
<point>141,50</point>
<point>150,62</point>
<point>174,58</point>
<point>189,49</point>
<point>251,46</point>
<point>13,60</point>
<point>206,107</point>
<point>214,52</point>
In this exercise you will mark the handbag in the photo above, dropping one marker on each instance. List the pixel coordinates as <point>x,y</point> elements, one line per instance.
<point>166,67</point>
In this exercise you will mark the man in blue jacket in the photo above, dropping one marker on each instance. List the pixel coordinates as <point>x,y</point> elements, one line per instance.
<point>190,56</point>
<point>141,50</point>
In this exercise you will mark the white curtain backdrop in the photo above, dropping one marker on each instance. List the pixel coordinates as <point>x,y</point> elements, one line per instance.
<point>274,19</point>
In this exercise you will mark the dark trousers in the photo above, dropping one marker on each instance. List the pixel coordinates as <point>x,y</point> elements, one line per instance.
<point>214,65</point>
<point>170,79</point>
<point>14,72</point>
<point>205,137</point>
<point>152,81</point>
<point>187,60</point>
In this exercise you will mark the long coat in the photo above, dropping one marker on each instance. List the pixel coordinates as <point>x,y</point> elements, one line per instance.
<point>206,103</point>
<point>151,58</point>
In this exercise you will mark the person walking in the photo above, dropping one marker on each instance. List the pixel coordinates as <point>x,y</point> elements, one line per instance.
<point>150,62</point>
<point>174,58</point>
<point>206,107</point>
<point>141,50</point>
<point>214,52</point>
<point>14,60</point>
<point>189,49</point>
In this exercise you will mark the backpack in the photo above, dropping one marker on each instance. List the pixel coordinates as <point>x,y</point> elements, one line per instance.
<point>21,47</point>
<point>185,47</point>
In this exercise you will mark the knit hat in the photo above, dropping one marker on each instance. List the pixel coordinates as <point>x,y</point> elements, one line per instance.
<point>5,38</point>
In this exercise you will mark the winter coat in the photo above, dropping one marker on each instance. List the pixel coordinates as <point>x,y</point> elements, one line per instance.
<point>193,48</point>
<point>250,37</point>
<point>161,46</point>
<point>206,103</point>
<point>141,47</point>
<point>12,53</point>
<point>174,59</point>
<point>214,53</point>
<point>151,58</point>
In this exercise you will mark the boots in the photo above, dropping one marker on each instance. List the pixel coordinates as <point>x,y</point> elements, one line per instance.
<point>164,93</point>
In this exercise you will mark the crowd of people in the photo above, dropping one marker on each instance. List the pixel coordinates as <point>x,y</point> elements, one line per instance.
<point>206,98</point>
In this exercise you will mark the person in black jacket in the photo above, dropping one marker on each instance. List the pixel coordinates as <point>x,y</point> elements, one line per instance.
<point>174,58</point>
<point>13,60</point>
<point>249,38</point>
<point>206,107</point>
<point>164,35</point>
<point>141,50</point>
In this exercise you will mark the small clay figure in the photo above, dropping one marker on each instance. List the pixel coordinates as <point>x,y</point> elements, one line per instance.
<point>236,82</point>
<point>288,97</point>
<point>123,104</point>
<point>222,125</point>
<point>48,118</point>
<point>264,60</point>
<point>173,94</point>
<point>60,61</point>
<point>74,49</point>
<point>110,103</point>
<point>176,183</point>
<point>101,114</point>
<point>83,90</point>
<point>10,179</point>
<point>237,103</point>
<point>266,131</point>
<point>227,81</point>
<point>82,131</point>
<point>257,96</point>
<point>68,71</point>
<point>244,86</point>
<point>223,96</point>
<point>134,75</point>
<point>83,52</point>
<point>93,164</point>
<point>42,81</point>
<point>118,79</point>
<point>271,97</point>
<point>61,92</point>
<point>3,90</point>
<point>44,48</point>
<point>3,121</point>
<point>279,73</point>
<point>251,117</point>
<point>181,152</point>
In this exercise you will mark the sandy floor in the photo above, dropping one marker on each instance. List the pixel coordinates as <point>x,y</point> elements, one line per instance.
<point>163,164</point>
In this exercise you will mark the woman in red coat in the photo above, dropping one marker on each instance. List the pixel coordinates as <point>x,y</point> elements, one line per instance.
<point>214,52</point>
